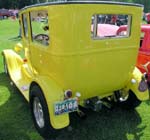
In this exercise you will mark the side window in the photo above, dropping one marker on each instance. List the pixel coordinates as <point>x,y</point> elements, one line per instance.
<point>105,26</point>
<point>25,25</point>
<point>39,26</point>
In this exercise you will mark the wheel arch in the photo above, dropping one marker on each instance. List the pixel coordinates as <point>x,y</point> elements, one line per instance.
<point>52,93</point>
<point>31,86</point>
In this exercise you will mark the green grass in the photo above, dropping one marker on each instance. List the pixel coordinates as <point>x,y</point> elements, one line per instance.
<point>15,117</point>
<point>16,122</point>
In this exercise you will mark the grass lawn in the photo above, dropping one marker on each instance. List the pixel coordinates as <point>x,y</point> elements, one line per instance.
<point>16,122</point>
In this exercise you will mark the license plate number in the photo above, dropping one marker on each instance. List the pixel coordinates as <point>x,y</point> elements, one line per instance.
<point>66,106</point>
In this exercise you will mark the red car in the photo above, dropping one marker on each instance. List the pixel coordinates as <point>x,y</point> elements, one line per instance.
<point>5,13</point>
<point>143,59</point>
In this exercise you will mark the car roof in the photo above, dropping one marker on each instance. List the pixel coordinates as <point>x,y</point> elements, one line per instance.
<point>145,27</point>
<point>3,10</point>
<point>83,2</point>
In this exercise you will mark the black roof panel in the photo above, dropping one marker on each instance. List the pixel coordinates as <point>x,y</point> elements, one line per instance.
<point>83,2</point>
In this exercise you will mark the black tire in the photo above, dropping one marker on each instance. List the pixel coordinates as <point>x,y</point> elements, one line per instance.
<point>6,71</point>
<point>5,66</point>
<point>132,101</point>
<point>45,130</point>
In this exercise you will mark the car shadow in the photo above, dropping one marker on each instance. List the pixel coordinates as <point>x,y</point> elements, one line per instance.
<point>17,38</point>
<point>147,102</point>
<point>16,121</point>
<point>116,124</point>
<point>15,118</point>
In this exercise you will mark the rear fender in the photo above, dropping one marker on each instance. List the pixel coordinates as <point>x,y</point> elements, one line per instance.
<point>52,93</point>
<point>134,84</point>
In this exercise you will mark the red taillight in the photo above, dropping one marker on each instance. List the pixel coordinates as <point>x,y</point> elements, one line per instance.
<point>143,85</point>
<point>68,93</point>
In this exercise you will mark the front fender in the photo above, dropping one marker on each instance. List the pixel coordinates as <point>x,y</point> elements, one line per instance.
<point>14,62</point>
<point>134,84</point>
<point>52,93</point>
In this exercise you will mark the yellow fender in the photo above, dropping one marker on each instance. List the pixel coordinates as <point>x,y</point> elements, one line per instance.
<point>14,61</point>
<point>134,83</point>
<point>52,93</point>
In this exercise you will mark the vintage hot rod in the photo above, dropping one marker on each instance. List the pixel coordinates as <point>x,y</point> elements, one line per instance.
<point>71,57</point>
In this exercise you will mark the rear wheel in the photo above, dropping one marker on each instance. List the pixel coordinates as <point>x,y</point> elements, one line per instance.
<point>40,113</point>
<point>131,102</point>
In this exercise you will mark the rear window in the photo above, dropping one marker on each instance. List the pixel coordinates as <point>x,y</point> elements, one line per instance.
<point>105,26</point>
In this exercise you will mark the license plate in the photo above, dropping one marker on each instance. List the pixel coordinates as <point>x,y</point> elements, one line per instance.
<point>66,106</point>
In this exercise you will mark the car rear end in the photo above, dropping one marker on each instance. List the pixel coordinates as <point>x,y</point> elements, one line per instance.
<point>89,63</point>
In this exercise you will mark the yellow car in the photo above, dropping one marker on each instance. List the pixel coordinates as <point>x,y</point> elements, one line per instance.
<point>71,56</point>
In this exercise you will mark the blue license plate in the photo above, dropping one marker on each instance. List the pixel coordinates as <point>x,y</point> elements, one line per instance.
<point>66,106</point>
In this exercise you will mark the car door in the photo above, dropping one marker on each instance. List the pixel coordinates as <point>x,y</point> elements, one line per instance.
<point>39,44</point>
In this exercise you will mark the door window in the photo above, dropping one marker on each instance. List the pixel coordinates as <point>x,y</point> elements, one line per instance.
<point>25,25</point>
<point>39,26</point>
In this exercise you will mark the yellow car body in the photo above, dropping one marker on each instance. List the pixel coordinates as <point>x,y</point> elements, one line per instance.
<point>73,59</point>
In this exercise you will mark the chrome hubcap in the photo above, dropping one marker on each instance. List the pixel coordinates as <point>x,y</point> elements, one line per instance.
<point>38,112</point>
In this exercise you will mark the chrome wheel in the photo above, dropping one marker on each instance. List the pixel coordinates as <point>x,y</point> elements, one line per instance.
<point>38,112</point>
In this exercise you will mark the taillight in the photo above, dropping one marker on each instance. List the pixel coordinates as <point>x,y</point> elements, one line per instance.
<point>143,85</point>
<point>68,93</point>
